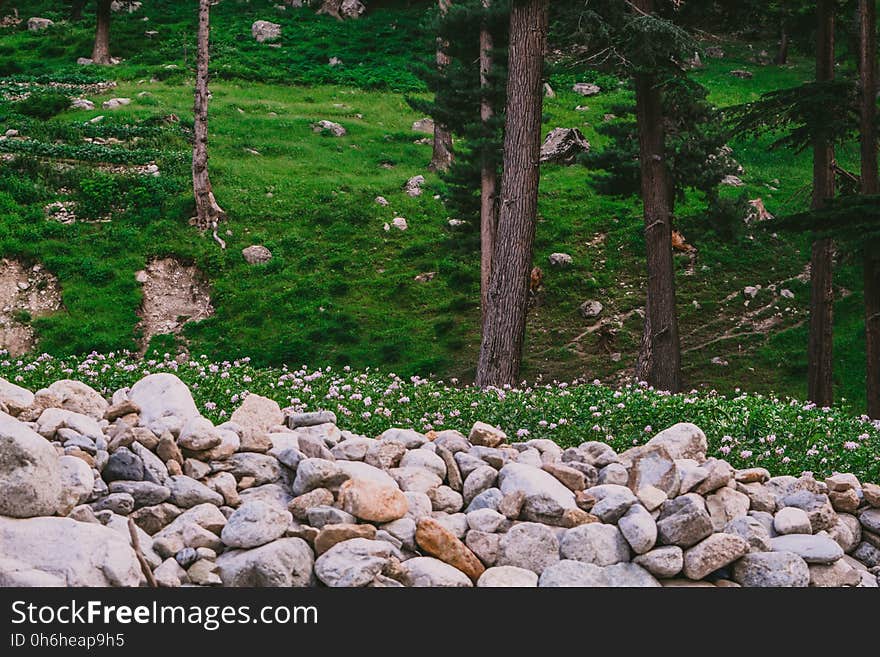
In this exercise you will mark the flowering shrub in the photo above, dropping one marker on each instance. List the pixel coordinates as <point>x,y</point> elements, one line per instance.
<point>749,430</point>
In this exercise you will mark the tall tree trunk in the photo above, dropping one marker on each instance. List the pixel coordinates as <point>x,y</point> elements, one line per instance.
<point>442,156</point>
<point>504,328</point>
<point>101,49</point>
<point>488,172</point>
<point>821,345</point>
<point>870,186</point>
<point>659,361</point>
<point>208,212</point>
<point>76,9</point>
<point>782,53</point>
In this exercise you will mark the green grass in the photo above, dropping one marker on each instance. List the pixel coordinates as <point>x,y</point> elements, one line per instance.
<point>340,290</point>
<point>747,430</point>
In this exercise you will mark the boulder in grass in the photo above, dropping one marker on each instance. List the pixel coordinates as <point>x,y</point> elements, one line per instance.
<point>564,145</point>
<point>265,31</point>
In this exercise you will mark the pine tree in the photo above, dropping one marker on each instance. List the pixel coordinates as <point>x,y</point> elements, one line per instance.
<point>870,185</point>
<point>101,48</point>
<point>505,322</point>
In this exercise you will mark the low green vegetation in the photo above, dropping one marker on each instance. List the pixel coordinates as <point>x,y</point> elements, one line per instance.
<point>340,289</point>
<point>748,430</point>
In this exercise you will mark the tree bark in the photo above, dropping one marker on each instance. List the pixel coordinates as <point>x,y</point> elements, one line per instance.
<point>76,9</point>
<point>659,361</point>
<point>488,172</point>
<point>870,186</point>
<point>504,328</point>
<point>782,53</point>
<point>821,344</point>
<point>208,213</point>
<point>101,49</point>
<point>442,157</point>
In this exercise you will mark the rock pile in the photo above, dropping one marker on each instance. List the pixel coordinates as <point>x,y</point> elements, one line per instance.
<point>279,498</point>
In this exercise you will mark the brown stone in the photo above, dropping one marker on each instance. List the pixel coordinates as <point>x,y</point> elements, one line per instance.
<point>584,500</point>
<point>437,541</point>
<point>153,518</point>
<point>846,501</point>
<point>511,504</point>
<point>299,506</point>
<point>174,468</point>
<point>330,535</point>
<point>485,435</point>
<point>80,454</point>
<point>124,407</point>
<point>453,474</point>
<point>373,502</point>
<point>576,517</point>
<point>145,437</point>
<point>167,449</point>
<point>653,466</point>
<point>254,441</point>
<point>305,532</point>
<point>572,479</point>
<point>871,493</point>
<point>385,454</point>
<point>752,476</point>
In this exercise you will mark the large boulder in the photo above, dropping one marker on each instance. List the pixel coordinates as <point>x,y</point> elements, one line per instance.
<point>37,24</point>
<point>264,31</point>
<point>683,441</point>
<point>78,397</point>
<point>563,145</point>
<point>30,474</point>
<point>76,553</point>
<point>546,497</point>
<point>256,416</point>
<point>165,402</point>
<point>283,563</point>
<point>13,398</point>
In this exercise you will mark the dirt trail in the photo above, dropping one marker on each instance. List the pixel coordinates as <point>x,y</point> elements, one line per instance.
<point>174,294</point>
<point>25,293</point>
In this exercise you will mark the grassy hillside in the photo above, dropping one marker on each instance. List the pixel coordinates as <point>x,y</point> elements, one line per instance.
<point>340,289</point>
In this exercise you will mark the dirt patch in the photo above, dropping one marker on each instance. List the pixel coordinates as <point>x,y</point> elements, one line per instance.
<point>174,295</point>
<point>25,293</point>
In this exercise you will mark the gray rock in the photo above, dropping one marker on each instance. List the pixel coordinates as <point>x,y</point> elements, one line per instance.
<point>612,501</point>
<point>568,573</point>
<point>870,519</point>
<point>425,459</point>
<point>255,523</point>
<point>477,481</point>
<point>564,145</point>
<point>329,515</point>
<point>868,554</point>
<point>629,575</point>
<point>265,31</point>
<point>602,545</point>
<point>485,520</point>
<point>508,577</point>
<point>165,403</point>
<point>69,552</point>
<point>144,493</point>
<point>529,545</point>
<point>317,473</point>
<point>155,471</point>
<point>638,528</point>
<point>263,468</point>
<point>256,254</point>
<point>443,498</point>
<point>30,473</point>
<point>406,437</point>
<point>430,572</point>
<point>817,505</point>
<point>353,563</point>
<point>653,466</point>
<point>812,549</point>
<point>613,474</point>
<point>683,441</point>
<point>123,465</point>
<point>186,492</point>
<point>771,569</point>
<point>287,562</point>
<point>486,546</point>
<point>790,520</point>
<point>121,503</point>
<point>296,420</point>
<point>724,505</point>
<point>749,528</point>
<point>488,499</point>
<point>77,483</point>
<point>684,521</point>
<point>664,561</point>
<point>419,480</point>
